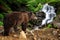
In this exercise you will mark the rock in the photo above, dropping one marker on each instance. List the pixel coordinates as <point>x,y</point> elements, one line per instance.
<point>22,36</point>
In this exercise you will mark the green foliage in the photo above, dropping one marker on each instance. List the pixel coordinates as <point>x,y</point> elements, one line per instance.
<point>1,23</point>
<point>1,16</point>
<point>36,5</point>
<point>5,6</point>
<point>39,7</point>
<point>49,26</point>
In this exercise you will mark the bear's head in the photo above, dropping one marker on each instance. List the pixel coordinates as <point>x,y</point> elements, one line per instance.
<point>32,16</point>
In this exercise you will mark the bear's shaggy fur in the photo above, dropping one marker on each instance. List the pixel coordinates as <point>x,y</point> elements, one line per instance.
<point>17,18</point>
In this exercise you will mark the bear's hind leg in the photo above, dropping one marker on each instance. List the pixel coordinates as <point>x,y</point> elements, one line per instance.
<point>6,30</point>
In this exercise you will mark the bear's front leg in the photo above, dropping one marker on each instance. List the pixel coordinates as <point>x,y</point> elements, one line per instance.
<point>24,25</point>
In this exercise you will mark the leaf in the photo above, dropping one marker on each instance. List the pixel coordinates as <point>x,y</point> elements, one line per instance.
<point>1,23</point>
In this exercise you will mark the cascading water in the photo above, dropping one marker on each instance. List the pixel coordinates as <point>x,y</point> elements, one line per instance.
<point>50,14</point>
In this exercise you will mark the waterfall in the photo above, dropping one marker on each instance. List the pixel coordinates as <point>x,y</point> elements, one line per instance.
<point>50,14</point>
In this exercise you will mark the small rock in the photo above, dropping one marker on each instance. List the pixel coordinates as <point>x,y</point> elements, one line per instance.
<point>54,32</point>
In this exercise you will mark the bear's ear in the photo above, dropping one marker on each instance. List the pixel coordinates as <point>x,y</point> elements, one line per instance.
<point>30,13</point>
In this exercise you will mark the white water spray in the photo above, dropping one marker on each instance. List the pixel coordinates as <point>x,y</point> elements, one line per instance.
<point>50,14</point>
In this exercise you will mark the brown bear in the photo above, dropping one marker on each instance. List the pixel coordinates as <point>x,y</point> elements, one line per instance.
<point>17,18</point>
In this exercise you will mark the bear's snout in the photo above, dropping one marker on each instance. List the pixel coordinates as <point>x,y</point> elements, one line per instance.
<point>35,18</point>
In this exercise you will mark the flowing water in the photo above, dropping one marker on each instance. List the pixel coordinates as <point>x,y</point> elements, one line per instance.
<point>50,14</point>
